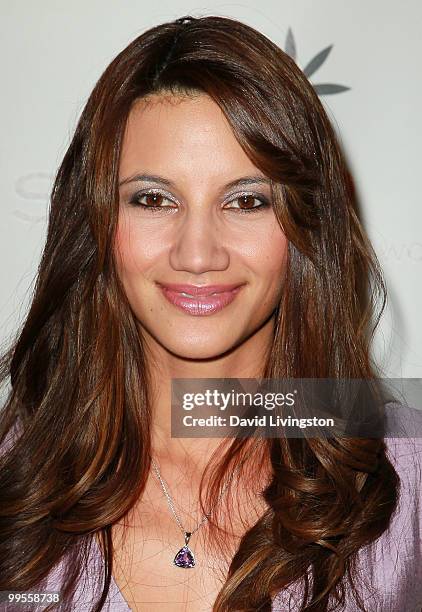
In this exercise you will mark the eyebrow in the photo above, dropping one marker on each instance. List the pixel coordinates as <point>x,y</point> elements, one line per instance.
<point>154,178</point>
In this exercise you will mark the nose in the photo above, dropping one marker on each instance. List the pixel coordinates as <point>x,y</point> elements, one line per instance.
<point>198,245</point>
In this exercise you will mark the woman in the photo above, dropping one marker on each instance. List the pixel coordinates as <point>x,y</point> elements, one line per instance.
<point>203,157</point>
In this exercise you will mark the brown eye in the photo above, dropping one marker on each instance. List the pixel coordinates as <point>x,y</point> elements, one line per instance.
<point>247,201</point>
<point>153,199</point>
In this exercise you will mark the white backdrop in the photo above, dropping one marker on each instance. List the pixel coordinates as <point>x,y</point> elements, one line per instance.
<point>54,51</point>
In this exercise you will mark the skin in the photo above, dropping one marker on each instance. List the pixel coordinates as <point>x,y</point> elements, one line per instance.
<point>199,237</point>
<point>196,239</point>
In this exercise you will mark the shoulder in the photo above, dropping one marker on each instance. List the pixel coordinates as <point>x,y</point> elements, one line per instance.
<point>402,421</point>
<point>90,582</point>
<point>390,569</point>
<point>404,450</point>
<point>403,440</point>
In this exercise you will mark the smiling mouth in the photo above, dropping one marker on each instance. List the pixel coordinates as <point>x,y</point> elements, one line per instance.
<point>200,305</point>
<point>199,296</point>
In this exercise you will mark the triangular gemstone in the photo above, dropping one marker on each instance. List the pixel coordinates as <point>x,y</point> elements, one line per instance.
<point>184,558</point>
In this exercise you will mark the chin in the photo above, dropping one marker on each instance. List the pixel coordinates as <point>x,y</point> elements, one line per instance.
<point>196,348</point>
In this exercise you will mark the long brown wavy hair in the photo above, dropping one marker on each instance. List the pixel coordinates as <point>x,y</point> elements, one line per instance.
<point>79,384</point>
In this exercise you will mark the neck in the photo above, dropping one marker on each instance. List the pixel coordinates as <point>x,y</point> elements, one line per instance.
<point>245,361</point>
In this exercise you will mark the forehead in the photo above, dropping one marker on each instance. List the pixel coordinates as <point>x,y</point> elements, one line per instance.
<point>168,112</point>
<point>181,133</point>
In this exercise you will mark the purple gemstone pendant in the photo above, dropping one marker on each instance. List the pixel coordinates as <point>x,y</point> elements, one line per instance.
<point>184,558</point>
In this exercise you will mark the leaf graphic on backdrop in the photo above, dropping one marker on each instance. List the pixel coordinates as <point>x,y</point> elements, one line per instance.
<point>324,89</point>
<point>290,44</point>
<point>317,61</point>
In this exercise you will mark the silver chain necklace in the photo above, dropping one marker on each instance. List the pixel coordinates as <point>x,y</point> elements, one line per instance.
<point>185,557</point>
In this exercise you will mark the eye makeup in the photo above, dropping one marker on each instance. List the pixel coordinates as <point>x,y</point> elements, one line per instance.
<point>264,203</point>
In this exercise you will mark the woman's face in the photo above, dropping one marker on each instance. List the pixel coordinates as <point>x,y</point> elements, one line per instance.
<point>183,224</point>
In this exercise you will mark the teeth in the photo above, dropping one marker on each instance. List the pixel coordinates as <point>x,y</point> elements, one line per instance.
<point>193,296</point>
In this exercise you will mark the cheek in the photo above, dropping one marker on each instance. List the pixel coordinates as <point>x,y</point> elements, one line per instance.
<point>128,250</point>
<point>278,254</point>
<point>273,271</point>
<point>123,246</point>
<point>139,245</point>
<point>270,257</point>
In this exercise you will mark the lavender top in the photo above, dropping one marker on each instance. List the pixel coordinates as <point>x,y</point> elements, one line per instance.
<point>390,569</point>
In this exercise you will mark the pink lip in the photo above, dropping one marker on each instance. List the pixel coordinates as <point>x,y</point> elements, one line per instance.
<point>203,303</point>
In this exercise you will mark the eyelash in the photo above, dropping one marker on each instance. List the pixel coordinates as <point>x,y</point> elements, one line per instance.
<point>134,201</point>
